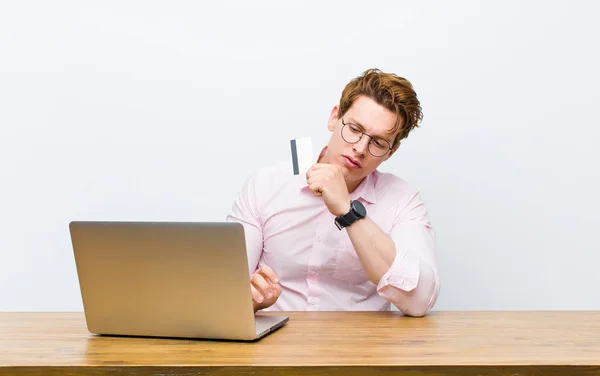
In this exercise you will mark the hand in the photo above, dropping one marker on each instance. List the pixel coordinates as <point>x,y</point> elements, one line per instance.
<point>265,288</point>
<point>327,180</point>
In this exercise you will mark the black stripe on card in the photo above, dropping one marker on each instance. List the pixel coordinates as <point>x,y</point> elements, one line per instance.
<point>295,157</point>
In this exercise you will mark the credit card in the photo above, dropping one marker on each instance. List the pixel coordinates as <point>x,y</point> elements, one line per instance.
<point>302,154</point>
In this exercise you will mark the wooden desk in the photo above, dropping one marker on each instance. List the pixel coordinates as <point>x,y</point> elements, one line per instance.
<point>319,343</point>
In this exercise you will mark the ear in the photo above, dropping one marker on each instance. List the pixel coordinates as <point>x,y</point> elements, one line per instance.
<point>333,118</point>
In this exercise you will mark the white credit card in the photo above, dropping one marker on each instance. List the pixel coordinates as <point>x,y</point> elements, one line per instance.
<point>302,154</point>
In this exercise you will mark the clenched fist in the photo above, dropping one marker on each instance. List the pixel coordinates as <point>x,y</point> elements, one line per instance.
<point>327,180</point>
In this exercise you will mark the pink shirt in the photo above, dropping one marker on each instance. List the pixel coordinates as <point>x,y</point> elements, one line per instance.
<point>291,230</point>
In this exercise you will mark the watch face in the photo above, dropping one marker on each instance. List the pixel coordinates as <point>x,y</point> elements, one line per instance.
<point>359,209</point>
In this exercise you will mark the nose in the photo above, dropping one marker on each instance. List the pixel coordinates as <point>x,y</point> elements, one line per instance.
<point>362,145</point>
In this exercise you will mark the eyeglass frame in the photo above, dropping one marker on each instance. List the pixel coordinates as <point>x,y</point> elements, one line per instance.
<point>361,136</point>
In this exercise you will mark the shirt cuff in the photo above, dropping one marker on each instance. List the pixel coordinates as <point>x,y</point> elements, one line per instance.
<point>403,274</point>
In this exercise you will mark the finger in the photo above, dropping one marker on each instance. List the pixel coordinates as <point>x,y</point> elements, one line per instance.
<point>316,189</point>
<point>327,169</point>
<point>316,184</point>
<point>310,170</point>
<point>262,285</point>
<point>269,273</point>
<point>256,295</point>
<point>315,178</point>
<point>277,291</point>
<point>321,176</point>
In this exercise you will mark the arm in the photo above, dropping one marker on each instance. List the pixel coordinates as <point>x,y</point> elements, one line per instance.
<point>264,282</point>
<point>403,264</point>
<point>245,210</point>
<point>375,249</point>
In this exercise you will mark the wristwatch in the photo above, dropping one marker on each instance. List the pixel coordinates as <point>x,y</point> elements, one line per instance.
<point>357,211</point>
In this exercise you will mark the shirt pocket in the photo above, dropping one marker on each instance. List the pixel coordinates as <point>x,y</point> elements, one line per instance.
<point>347,266</point>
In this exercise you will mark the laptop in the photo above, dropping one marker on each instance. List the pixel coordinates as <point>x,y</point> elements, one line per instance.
<point>167,279</point>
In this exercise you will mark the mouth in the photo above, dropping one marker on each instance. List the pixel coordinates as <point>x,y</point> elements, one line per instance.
<point>352,162</point>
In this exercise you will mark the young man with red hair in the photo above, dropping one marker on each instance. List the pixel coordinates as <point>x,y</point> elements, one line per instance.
<point>344,236</point>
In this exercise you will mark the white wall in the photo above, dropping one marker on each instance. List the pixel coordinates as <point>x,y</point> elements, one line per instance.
<point>110,110</point>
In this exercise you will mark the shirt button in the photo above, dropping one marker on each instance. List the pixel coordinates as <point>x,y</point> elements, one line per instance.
<point>319,238</point>
<point>312,272</point>
<point>312,301</point>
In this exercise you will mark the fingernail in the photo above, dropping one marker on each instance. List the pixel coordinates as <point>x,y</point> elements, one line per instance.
<point>259,299</point>
<point>270,295</point>
<point>276,280</point>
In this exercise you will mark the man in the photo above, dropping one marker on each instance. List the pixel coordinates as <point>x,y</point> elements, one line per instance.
<point>344,236</point>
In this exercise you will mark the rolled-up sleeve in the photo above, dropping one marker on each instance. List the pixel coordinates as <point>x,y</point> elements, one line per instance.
<point>412,283</point>
<point>245,210</point>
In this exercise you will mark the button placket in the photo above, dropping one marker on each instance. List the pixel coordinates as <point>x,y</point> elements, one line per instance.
<point>315,262</point>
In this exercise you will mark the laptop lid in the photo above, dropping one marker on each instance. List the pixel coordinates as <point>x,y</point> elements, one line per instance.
<point>165,279</point>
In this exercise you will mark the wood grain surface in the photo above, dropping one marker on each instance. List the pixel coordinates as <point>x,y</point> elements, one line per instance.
<point>318,343</point>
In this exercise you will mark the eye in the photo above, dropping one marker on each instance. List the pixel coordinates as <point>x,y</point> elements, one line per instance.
<point>379,143</point>
<point>354,128</point>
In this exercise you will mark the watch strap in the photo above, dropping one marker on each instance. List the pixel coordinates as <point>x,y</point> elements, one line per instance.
<point>347,219</point>
<point>350,217</point>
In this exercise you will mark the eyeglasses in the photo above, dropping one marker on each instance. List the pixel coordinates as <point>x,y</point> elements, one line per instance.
<point>351,133</point>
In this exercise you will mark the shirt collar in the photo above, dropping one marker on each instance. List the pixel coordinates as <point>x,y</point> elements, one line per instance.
<point>365,190</point>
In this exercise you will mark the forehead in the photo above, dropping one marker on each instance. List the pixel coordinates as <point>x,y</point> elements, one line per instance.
<point>371,116</point>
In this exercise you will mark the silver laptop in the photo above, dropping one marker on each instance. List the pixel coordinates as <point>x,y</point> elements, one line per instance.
<point>175,279</point>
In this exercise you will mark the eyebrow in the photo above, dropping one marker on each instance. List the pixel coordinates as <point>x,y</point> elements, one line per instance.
<point>355,122</point>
